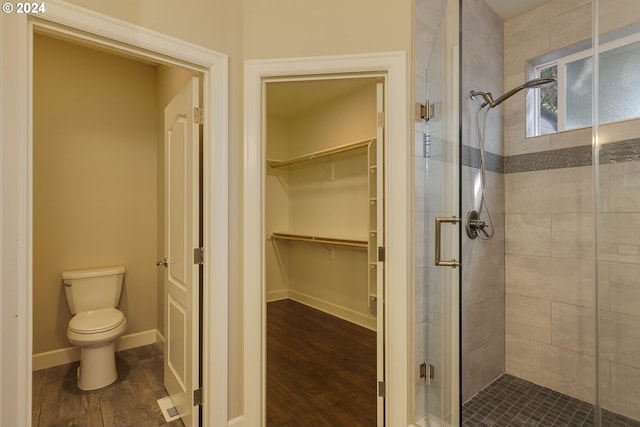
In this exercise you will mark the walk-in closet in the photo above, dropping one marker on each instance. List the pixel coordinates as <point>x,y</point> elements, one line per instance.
<point>323,220</point>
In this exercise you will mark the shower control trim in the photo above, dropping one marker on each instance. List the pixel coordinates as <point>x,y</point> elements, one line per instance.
<point>474,225</point>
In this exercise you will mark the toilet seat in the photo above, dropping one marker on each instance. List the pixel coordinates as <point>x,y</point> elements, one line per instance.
<point>96,321</point>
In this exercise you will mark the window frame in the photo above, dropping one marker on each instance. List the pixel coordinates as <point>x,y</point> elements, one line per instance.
<point>561,63</point>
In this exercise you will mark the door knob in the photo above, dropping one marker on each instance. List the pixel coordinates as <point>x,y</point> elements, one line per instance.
<point>164,262</point>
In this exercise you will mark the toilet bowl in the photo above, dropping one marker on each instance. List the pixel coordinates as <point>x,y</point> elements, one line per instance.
<point>95,332</point>
<point>93,296</point>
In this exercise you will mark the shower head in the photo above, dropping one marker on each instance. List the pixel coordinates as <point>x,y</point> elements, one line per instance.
<point>539,82</point>
<point>531,84</point>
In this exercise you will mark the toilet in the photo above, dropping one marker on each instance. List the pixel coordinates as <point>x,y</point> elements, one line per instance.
<point>92,296</point>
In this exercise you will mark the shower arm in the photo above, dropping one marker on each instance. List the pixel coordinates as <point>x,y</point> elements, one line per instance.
<point>507,95</point>
<point>488,98</point>
<point>531,84</point>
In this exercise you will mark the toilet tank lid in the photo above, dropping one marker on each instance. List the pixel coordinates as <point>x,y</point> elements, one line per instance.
<point>92,272</point>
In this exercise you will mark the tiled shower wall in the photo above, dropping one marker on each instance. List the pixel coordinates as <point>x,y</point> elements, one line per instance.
<point>551,280</point>
<point>483,295</point>
<point>541,264</point>
<point>550,240</point>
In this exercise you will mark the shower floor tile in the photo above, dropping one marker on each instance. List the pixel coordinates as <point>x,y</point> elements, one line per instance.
<point>514,402</point>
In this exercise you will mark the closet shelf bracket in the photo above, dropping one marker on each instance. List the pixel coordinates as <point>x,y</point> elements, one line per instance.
<point>328,167</point>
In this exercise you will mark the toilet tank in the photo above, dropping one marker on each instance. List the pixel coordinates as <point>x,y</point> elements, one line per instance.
<point>93,289</point>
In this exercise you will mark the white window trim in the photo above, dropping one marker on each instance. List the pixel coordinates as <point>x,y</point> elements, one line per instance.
<point>561,63</point>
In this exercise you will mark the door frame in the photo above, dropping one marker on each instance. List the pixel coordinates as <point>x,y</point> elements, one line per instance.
<point>398,228</point>
<point>16,183</point>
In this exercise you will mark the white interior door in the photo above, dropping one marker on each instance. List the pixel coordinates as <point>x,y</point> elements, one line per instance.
<point>181,353</point>
<point>380,329</point>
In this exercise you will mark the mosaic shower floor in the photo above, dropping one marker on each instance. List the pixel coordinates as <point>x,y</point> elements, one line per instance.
<point>513,402</point>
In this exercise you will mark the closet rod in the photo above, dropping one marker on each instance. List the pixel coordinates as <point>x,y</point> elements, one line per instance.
<point>323,240</point>
<point>323,153</point>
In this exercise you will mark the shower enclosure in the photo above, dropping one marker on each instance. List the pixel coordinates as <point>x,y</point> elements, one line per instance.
<point>537,322</point>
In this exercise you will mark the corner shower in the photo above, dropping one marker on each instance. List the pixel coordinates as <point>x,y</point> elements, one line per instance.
<point>538,323</point>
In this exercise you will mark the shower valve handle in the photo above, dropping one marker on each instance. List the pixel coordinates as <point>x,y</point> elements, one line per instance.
<point>475,225</point>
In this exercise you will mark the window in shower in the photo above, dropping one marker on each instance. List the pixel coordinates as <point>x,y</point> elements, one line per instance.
<point>566,104</point>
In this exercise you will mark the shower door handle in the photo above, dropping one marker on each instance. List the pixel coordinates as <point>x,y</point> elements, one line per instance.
<point>439,220</point>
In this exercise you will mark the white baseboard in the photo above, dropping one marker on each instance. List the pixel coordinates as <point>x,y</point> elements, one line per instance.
<point>277,295</point>
<point>136,340</point>
<point>159,337</point>
<point>66,355</point>
<point>364,320</point>
<point>236,422</point>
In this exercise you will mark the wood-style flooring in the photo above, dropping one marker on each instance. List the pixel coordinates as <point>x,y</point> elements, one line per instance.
<point>130,401</point>
<point>321,370</point>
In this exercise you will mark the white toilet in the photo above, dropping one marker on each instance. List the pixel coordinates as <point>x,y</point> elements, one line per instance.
<point>93,296</point>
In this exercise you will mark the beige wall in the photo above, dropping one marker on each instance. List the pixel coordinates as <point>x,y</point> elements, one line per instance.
<point>95,135</point>
<point>217,25</point>
<point>281,28</point>
<point>255,29</point>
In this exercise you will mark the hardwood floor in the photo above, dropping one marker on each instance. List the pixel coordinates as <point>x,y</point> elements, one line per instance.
<point>130,401</point>
<point>321,370</point>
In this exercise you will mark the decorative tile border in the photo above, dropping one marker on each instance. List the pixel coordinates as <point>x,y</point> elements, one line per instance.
<point>471,158</point>
<point>553,159</point>
<point>616,152</point>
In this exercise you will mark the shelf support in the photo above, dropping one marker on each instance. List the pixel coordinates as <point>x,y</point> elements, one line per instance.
<point>328,166</point>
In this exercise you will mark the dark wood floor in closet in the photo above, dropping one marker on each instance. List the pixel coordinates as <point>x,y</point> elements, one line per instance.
<point>321,370</point>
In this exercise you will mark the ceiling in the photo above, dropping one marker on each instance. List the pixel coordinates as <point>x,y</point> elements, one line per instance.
<point>507,9</point>
<point>289,98</point>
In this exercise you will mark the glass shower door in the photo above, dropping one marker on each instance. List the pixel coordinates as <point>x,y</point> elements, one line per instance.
<point>437,216</point>
<point>617,178</point>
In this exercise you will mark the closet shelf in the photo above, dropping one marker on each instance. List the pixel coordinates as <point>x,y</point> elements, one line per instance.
<point>324,240</point>
<point>322,153</point>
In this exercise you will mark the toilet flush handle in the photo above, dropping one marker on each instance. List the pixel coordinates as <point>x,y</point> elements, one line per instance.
<point>67,284</point>
<point>164,262</point>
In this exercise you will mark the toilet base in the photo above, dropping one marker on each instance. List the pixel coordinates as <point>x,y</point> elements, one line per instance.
<point>97,367</point>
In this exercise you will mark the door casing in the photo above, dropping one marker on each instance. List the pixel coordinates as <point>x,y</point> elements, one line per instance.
<point>16,59</point>
<point>398,228</point>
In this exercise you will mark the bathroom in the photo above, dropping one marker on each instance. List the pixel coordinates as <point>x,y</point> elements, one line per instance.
<point>547,312</point>
<point>98,202</point>
<point>523,232</point>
